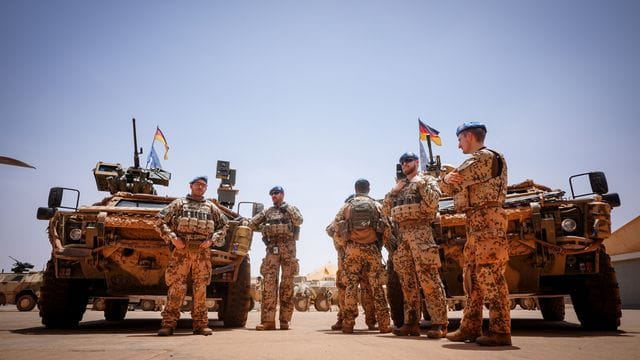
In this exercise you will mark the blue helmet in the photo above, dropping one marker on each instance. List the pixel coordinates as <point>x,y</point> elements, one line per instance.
<point>202,177</point>
<point>470,125</point>
<point>408,156</point>
<point>276,189</point>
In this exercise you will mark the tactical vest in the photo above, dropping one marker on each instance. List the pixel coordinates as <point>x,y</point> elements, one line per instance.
<point>277,224</point>
<point>408,205</point>
<point>488,193</point>
<point>195,218</point>
<point>362,217</point>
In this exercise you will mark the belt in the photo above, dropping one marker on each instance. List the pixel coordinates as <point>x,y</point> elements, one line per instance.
<point>193,237</point>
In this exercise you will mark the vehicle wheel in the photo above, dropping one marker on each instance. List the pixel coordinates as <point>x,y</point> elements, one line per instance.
<point>252,304</point>
<point>528,303</point>
<point>147,305</point>
<point>301,303</point>
<point>596,298</point>
<point>394,295</point>
<point>552,308</point>
<point>236,304</point>
<point>26,302</point>
<point>115,309</point>
<point>62,302</point>
<point>98,304</point>
<point>512,303</point>
<point>322,304</point>
<point>3,299</point>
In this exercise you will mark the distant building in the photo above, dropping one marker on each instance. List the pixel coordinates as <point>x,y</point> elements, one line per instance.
<point>624,249</point>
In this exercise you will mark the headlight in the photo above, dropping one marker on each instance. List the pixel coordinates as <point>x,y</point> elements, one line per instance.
<point>75,234</point>
<point>569,225</point>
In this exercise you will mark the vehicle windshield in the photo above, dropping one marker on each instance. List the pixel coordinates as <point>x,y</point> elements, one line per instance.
<point>140,204</point>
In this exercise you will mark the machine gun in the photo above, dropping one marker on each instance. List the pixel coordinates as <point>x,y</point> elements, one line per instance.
<point>111,176</point>
<point>20,267</point>
<point>433,167</point>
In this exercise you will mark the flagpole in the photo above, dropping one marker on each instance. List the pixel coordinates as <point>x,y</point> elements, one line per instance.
<point>152,142</point>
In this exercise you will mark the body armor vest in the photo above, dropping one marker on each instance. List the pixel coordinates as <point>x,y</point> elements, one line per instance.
<point>409,205</point>
<point>196,218</point>
<point>277,223</point>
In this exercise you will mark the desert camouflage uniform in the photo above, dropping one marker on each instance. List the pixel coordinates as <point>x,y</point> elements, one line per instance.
<point>193,221</point>
<point>362,262</point>
<point>279,227</point>
<point>414,208</point>
<point>366,296</point>
<point>486,252</point>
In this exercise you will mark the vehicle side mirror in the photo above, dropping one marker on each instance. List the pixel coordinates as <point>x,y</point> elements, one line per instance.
<point>55,197</point>
<point>598,182</point>
<point>257,207</point>
<point>612,199</point>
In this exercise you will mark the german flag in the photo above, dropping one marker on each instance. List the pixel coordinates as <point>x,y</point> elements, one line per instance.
<point>160,137</point>
<point>425,130</point>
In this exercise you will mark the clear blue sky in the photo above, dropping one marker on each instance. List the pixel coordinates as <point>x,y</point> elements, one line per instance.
<point>310,96</point>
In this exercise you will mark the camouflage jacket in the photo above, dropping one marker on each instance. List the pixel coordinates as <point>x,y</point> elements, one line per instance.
<point>204,220</point>
<point>282,221</point>
<point>485,181</point>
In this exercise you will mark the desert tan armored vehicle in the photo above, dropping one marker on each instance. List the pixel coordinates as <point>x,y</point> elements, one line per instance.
<point>21,286</point>
<point>556,250</point>
<point>111,250</point>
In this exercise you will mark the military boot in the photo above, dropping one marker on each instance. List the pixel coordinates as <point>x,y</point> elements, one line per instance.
<point>463,336</point>
<point>437,332</point>
<point>385,329</point>
<point>284,325</point>
<point>372,326</point>
<point>267,325</point>
<point>407,330</point>
<point>337,325</point>
<point>203,331</point>
<point>347,329</point>
<point>165,331</point>
<point>494,340</point>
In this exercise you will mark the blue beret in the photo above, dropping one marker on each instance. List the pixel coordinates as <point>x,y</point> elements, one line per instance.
<point>470,125</point>
<point>276,189</point>
<point>202,177</point>
<point>408,156</point>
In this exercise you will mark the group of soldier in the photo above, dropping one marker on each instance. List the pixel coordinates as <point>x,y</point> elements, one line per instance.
<point>402,224</point>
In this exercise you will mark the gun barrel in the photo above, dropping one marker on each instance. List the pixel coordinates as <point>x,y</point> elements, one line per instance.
<point>136,158</point>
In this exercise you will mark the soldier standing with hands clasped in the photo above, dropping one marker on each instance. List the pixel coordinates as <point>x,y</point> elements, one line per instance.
<point>191,225</point>
<point>280,226</point>
<point>479,188</point>
<point>413,204</point>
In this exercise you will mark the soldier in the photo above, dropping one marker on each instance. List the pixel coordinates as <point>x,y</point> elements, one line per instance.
<point>280,226</point>
<point>363,225</point>
<point>479,187</point>
<point>365,290</point>
<point>413,204</point>
<point>191,225</point>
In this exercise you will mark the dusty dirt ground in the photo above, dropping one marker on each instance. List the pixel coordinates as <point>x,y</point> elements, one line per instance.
<point>23,337</point>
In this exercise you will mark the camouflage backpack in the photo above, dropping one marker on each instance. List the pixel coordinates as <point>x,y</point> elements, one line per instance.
<point>363,213</point>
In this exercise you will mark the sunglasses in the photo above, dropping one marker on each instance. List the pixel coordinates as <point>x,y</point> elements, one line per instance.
<point>406,161</point>
<point>275,193</point>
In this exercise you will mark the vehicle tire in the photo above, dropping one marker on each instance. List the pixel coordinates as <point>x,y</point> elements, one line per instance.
<point>115,309</point>
<point>62,302</point>
<point>552,308</point>
<point>394,295</point>
<point>301,303</point>
<point>147,305</point>
<point>512,303</point>
<point>528,303</point>
<point>236,304</point>
<point>322,304</point>
<point>252,304</point>
<point>26,302</point>
<point>3,299</point>
<point>596,298</point>
<point>98,304</point>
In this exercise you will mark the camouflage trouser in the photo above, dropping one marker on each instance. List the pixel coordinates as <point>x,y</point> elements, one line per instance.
<point>182,262</point>
<point>485,256</point>
<point>364,261</point>
<point>366,297</point>
<point>416,261</point>
<point>270,269</point>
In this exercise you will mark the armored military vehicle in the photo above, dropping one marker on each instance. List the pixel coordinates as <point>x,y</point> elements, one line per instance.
<point>111,250</point>
<point>21,286</point>
<point>555,247</point>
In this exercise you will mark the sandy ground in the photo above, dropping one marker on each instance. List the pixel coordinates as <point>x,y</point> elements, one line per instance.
<point>23,337</point>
